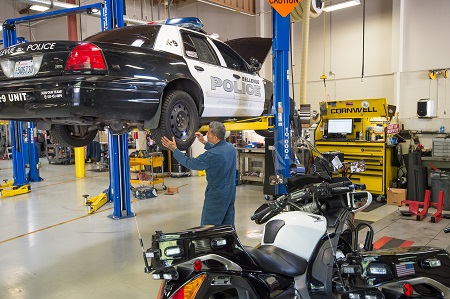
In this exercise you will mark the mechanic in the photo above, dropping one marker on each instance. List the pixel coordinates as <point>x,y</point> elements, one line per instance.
<point>219,161</point>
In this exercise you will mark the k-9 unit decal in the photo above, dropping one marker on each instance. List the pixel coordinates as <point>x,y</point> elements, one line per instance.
<point>13,97</point>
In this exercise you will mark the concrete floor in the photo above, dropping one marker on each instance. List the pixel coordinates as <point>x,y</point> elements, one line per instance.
<point>50,248</point>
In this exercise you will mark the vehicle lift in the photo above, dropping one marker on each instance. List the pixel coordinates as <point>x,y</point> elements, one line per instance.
<point>20,183</point>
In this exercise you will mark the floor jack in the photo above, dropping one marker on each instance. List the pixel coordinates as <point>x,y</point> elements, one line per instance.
<point>96,202</point>
<point>420,215</point>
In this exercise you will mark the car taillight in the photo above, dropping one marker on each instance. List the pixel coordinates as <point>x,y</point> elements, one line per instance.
<point>189,290</point>
<point>85,56</point>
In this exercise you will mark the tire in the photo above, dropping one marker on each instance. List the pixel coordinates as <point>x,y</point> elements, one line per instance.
<point>75,136</point>
<point>179,119</point>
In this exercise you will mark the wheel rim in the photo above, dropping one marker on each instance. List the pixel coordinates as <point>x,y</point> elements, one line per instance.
<point>179,120</point>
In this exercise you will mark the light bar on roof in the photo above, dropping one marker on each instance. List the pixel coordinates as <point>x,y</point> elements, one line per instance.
<point>188,22</point>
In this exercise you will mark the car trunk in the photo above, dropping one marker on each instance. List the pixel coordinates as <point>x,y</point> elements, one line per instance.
<point>35,59</point>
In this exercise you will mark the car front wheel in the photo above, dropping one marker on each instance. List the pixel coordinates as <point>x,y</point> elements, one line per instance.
<point>179,119</point>
<point>75,136</point>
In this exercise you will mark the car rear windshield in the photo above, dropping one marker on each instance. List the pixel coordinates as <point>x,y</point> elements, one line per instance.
<point>138,36</point>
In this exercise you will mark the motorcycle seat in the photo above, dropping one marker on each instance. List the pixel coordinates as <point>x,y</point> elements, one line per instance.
<point>276,260</point>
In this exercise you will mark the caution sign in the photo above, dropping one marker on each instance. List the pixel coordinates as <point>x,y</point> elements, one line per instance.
<point>284,7</point>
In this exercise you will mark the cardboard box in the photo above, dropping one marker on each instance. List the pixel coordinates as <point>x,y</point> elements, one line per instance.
<point>395,196</point>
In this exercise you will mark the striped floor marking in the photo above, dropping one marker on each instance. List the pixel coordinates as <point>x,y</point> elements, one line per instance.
<point>388,242</point>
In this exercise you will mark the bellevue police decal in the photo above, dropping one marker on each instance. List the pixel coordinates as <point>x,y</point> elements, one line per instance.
<point>284,7</point>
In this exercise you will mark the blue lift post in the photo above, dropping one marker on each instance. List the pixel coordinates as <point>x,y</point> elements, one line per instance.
<point>17,140</point>
<point>119,173</point>
<point>17,146</point>
<point>280,46</point>
<point>33,174</point>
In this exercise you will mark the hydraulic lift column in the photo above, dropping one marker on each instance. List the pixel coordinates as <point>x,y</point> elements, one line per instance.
<point>280,46</point>
<point>119,175</point>
<point>17,145</point>
<point>119,188</point>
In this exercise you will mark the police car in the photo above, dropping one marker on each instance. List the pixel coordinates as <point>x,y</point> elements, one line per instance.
<point>169,77</point>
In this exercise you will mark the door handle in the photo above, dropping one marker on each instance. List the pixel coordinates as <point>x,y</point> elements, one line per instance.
<point>199,68</point>
<point>236,76</point>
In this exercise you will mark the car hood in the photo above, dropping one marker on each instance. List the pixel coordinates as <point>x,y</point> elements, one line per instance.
<point>248,47</point>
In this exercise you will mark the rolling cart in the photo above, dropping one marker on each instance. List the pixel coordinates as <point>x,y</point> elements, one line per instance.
<point>153,160</point>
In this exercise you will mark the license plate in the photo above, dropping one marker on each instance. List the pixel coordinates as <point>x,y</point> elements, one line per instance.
<point>23,69</point>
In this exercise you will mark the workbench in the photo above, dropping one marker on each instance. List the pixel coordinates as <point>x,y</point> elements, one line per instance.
<point>251,164</point>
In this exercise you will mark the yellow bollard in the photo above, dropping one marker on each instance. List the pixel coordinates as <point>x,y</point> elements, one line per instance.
<point>79,162</point>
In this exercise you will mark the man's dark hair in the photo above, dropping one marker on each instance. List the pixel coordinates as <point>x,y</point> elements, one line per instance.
<point>218,129</point>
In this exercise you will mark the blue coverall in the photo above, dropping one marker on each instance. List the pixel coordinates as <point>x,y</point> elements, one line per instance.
<point>219,161</point>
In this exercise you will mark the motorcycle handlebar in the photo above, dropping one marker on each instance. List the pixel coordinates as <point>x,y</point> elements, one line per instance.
<point>313,207</point>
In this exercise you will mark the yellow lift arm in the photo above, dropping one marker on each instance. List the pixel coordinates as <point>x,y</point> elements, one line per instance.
<point>258,123</point>
<point>96,202</point>
<point>15,191</point>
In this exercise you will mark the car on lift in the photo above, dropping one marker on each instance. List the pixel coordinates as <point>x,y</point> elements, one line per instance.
<point>169,77</point>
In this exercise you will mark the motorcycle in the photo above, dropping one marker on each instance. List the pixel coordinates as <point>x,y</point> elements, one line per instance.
<point>309,249</point>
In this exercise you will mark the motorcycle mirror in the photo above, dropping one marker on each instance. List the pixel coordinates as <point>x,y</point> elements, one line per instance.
<point>357,166</point>
<point>357,201</point>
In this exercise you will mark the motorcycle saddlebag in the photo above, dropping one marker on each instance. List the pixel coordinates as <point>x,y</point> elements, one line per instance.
<point>388,265</point>
<point>170,249</point>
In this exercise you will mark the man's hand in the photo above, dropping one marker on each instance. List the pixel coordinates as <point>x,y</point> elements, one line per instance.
<point>171,145</point>
<point>200,137</point>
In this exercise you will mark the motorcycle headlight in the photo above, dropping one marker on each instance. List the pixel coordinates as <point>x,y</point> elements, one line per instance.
<point>351,269</point>
<point>377,269</point>
<point>173,251</point>
<point>431,263</point>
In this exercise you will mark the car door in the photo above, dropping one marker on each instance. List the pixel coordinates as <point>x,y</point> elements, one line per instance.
<point>248,88</point>
<point>205,65</point>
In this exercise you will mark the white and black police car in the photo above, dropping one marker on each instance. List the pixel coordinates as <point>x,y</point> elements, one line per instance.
<point>168,76</point>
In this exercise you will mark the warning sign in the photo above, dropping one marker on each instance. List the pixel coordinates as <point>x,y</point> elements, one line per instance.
<point>393,129</point>
<point>284,7</point>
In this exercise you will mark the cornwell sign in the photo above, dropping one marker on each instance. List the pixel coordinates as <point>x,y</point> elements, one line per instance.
<point>353,110</point>
<point>284,7</point>
<point>356,108</point>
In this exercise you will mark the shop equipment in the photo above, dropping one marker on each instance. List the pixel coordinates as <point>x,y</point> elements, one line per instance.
<point>357,129</point>
<point>96,202</point>
<point>15,190</point>
<point>152,160</point>
<point>414,207</point>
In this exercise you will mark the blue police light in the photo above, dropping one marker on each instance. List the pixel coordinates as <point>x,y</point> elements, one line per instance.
<point>188,22</point>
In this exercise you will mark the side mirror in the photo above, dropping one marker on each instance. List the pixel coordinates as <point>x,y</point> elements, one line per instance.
<point>358,201</point>
<point>255,65</point>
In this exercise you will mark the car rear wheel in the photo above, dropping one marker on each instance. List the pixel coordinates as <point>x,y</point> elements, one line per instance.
<point>179,119</point>
<point>74,136</point>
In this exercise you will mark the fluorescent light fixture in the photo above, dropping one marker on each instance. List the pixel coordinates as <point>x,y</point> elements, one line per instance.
<point>39,7</point>
<point>340,5</point>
